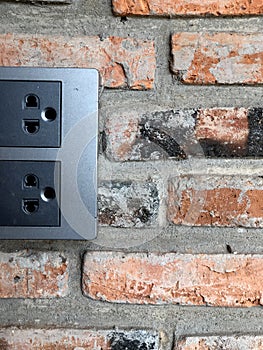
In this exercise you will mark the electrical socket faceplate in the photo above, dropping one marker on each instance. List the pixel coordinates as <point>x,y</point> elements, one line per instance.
<point>30,113</point>
<point>48,153</point>
<point>27,192</point>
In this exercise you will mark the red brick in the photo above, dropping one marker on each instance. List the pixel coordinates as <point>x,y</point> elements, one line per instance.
<point>187,7</point>
<point>221,342</point>
<point>224,58</point>
<point>216,201</point>
<point>211,132</point>
<point>122,62</point>
<point>69,339</point>
<point>228,127</point>
<point>141,278</point>
<point>33,275</point>
<point>127,204</point>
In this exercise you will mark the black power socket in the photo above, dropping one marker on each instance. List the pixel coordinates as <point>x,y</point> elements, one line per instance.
<point>30,113</point>
<point>28,195</point>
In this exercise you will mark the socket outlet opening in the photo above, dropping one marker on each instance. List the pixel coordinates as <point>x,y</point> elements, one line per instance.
<point>31,101</point>
<point>31,126</point>
<point>30,206</point>
<point>30,181</point>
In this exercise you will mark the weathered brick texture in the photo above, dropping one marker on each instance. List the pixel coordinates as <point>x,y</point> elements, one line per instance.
<point>237,342</point>
<point>216,201</point>
<point>218,58</point>
<point>218,280</point>
<point>33,275</point>
<point>187,7</point>
<point>55,2</point>
<point>122,62</point>
<point>127,204</point>
<point>69,339</point>
<point>161,134</point>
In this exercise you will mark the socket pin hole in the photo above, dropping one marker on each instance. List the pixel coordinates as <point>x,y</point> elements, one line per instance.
<point>49,114</point>
<point>48,194</point>
<point>31,180</point>
<point>31,127</point>
<point>30,206</point>
<point>31,101</point>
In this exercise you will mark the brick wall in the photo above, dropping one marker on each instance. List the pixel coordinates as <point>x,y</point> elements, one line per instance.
<point>178,262</point>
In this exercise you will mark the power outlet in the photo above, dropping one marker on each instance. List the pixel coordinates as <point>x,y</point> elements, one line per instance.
<point>28,195</point>
<point>48,153</point>
<point>30,113</point>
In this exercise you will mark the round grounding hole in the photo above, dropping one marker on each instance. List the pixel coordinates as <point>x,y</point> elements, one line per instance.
<point>49,114</point>
<point>48,194</point>
<point>31,180</point>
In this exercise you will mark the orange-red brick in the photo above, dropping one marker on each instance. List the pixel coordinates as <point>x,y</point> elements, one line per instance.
<point>218,132</point>
<point>187,7</point>
<point>216,201</point>
<point>122,62</point>
<point>33,275</point>
<point>227,127</point>
<point>218,280</point>
<point>254,342</point>
<point>224,58</point>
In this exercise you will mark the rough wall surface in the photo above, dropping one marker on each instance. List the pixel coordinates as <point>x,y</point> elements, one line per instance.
<point>177,263</point>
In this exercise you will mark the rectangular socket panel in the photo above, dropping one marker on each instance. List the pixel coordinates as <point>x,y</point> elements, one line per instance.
<point>30,113</point>
<point>29,195</point>
<point>48,161</point>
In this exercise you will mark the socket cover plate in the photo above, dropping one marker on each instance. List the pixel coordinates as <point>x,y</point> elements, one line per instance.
<point>76,158</point>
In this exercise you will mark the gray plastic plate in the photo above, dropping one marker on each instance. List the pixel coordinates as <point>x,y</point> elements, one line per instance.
<point>75,175</point>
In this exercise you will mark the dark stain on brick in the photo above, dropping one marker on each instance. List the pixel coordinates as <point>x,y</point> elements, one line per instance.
<point>127,204</point>
<point>4,344</point>
<point>63,259</point>
<point>163,140</point>
<point>124,19</point>
<point>143,214</point>
<point>216,149</point>
<point>194,114</point>
<point>255,137</point>
<point>107,216</point>
<point>213,148</point>
<point>229,249</point>
<point>102,142</point>
<point>16,280</point>
<point>119,341</point>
